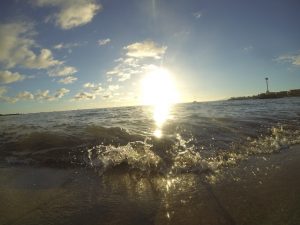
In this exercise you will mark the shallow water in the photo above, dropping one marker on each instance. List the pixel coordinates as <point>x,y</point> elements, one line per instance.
<point>259,191</point>
<point>118,170</point>
<point>195,137</point>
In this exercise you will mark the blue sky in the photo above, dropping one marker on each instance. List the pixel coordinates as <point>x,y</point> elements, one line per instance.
<point>74,54</point>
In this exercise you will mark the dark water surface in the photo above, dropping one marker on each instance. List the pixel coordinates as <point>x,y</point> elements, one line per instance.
<point>196,136</point>
<point>110,166</point>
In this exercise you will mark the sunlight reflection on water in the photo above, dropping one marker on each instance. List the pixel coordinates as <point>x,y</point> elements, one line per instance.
<point>158,90</point>
<point>160,114</point>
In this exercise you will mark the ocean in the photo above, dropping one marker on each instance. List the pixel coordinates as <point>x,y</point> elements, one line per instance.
<point>135,167</point>
<point>195,136</point>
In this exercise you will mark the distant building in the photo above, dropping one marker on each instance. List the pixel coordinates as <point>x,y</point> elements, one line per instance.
<point>271,95</point>
<point>294,92</point>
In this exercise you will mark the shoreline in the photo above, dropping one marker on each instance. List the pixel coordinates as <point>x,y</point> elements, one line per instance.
<point>270,95</point>
<point>260,190</point>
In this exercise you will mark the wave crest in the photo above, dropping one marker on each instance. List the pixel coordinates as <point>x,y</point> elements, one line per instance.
<point>105,149</point>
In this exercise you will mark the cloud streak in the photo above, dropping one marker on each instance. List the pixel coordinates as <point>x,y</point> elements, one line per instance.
<point>102,42</point>
<point>45,95</point>
<point>197,15</point>
<point>67,80</point>
<point>4,98</point>
<point>66,46</point>
<point>146,49</point>
<point>62,71</point>
<point>26,95</point>
<point>93,90</point>
<point>71,13</point>
<point>16,44</point>
<point>84,96</point>
<point>293,59</point>
<point>133,61</point>
<point>7,77</point>
<point>125,69</point>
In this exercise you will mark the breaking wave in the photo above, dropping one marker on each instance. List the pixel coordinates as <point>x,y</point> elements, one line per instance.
<point>198,138</point>
<point>105,149</point>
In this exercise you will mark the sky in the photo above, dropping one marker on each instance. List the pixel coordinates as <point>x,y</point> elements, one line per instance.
<point>76,54</point>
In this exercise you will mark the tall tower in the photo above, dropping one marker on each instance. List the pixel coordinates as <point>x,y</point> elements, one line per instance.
<point>267,82</point>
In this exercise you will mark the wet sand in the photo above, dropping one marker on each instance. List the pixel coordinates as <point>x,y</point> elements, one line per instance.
<point>261,190</point>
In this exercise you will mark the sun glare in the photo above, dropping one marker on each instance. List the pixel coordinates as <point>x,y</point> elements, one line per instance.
<point>158,90</point>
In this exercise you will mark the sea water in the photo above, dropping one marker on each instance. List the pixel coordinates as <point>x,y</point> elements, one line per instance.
<point>194,137</point>
<point>123,172</point>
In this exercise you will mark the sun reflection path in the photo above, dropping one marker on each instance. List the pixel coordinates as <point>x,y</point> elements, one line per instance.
<point>158,90</point>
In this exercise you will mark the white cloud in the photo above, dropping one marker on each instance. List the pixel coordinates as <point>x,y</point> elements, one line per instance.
<point>123,72</point>
<point>68,80</point>
<point>248,48</point>
<point>197,15</point>
<point>3,90</point>
<point>146,49</point>
<point>62,71</point>
<point>134,61</point>
<point>71,13</point>
<point>45,95</point>
<point>7,77</point>
<point>103,41</point>
<point>110,91</point>
<point>125,69</point>
<point>289,58</point>
<point>113,87</point>
<point>84,96</point>
<point>68,46</point>
<point>41,61</point>
<point>96,89</point>
<point>25,95</point>
<point>58,46</point>
<point>8,99</point>
<point>61,92</point>
<point>4,98</point>
<point>17,44</point>
<point>89,85</point>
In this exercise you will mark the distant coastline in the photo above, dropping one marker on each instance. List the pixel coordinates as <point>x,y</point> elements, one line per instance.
<point>271,95</point>
<point>11,114</point>
<point>266,95</point>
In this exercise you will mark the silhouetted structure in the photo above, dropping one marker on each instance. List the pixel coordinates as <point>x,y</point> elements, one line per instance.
<point>267,82</point>
<point>279,94</point>
<point>294,92</point>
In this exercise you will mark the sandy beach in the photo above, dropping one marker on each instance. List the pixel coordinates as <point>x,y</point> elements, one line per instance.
<point>260,190</point>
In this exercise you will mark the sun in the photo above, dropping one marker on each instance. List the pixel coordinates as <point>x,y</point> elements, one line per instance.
<point>159,90</point>
<point>158,87</point>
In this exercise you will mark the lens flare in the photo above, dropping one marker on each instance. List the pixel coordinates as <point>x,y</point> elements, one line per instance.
<point>158,90</point>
